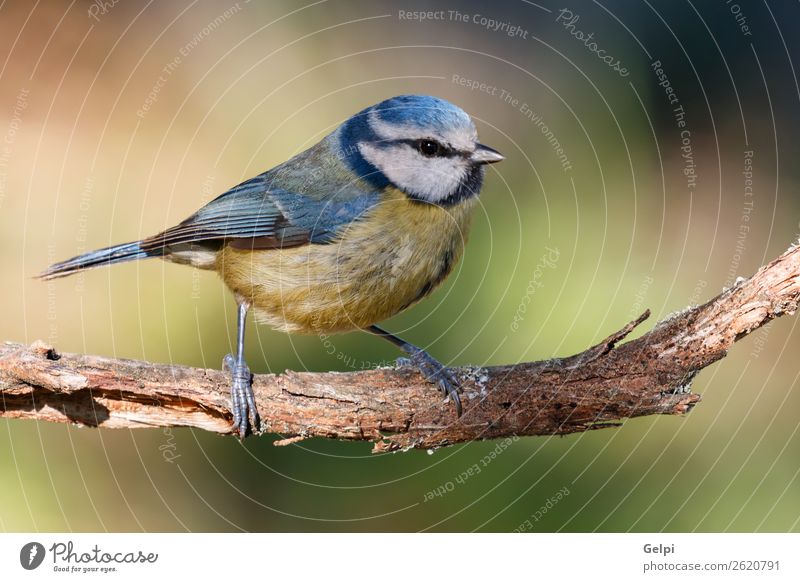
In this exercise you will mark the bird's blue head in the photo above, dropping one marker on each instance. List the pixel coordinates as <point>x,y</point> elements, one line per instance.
<point>422,145</point>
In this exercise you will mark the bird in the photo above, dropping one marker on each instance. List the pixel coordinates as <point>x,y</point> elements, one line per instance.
<point>351,231</point>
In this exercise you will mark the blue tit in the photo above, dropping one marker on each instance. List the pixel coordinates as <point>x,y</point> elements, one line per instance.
<point>343,235</point>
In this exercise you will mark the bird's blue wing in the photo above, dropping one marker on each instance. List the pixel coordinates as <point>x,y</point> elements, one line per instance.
<point>260,214</point>
<point>321,218</point>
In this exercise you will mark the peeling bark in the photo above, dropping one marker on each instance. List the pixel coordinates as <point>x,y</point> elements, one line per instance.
<point>395,407</point>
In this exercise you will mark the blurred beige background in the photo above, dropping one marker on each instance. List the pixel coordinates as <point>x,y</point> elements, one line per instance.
<point>120,121</point>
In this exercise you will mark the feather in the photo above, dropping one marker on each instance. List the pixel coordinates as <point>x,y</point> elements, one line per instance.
<point>287,206</point>
<point>106,256</point>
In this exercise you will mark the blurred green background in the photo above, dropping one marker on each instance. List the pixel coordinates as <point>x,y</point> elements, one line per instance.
<point>118,121</point>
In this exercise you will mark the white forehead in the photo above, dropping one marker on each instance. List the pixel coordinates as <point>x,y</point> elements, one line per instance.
<point>462,137</point>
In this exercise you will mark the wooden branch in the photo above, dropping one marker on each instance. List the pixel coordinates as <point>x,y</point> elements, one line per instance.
<point>395,407</point>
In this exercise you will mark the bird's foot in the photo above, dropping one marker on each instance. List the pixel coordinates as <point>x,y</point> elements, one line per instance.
<point>243,400</point>
<point>434,372</point>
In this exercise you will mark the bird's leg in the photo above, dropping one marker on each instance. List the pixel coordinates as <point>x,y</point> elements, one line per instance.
<point>243,402</point>
<point>432,369</point>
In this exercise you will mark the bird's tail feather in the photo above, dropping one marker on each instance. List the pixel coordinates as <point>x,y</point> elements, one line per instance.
<point>108,256</point>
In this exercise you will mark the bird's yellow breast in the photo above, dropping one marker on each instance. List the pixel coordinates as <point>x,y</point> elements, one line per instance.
<point>377,267</point>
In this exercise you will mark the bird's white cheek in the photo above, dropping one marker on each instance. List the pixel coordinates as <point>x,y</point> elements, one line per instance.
<point>432,179</point>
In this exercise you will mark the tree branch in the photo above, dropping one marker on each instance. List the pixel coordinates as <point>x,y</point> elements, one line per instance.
<point>396,407</point>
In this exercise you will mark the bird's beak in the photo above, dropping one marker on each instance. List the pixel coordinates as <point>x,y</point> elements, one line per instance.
<point>486,155</point>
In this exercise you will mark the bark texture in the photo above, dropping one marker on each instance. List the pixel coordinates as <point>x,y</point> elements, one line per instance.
<point>396,407</point>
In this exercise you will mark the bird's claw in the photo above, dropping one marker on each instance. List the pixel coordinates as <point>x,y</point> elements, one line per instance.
<point>243,402</point>
<point>434,372</point>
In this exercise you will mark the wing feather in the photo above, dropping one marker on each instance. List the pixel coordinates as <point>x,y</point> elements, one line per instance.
<point>255,216</point>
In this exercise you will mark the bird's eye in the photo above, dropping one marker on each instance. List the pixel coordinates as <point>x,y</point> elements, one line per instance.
<point>428,147</point>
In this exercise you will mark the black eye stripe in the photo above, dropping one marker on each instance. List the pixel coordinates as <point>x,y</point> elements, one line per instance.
<point>428,147</point>
<point>443,151</point>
